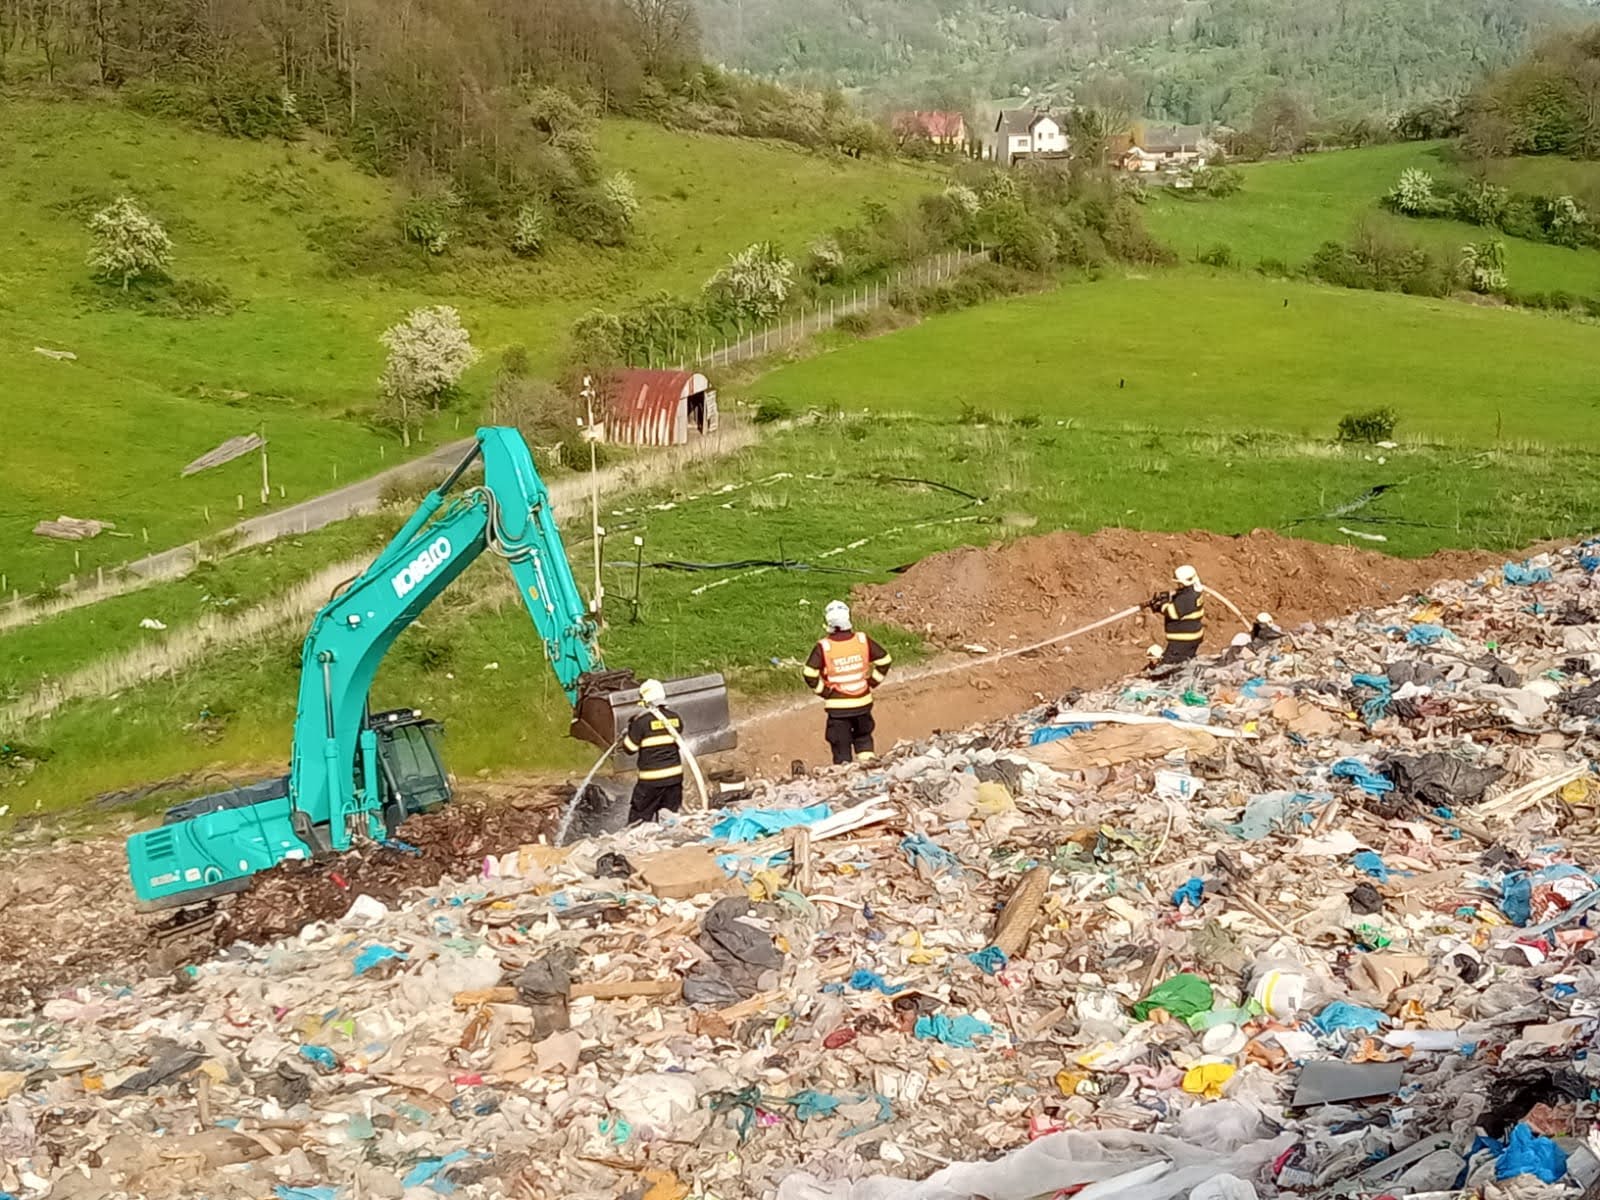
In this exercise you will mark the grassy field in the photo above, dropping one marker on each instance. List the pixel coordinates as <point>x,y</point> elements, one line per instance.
<point>1219,350</point>
<point>1289,208</point>
<point>474,662</point>
<point>105,436</point>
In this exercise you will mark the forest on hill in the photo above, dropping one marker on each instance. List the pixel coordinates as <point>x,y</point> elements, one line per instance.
<point>1188,60</point>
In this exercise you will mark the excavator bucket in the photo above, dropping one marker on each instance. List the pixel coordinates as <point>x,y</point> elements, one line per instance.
<point>608,700</point>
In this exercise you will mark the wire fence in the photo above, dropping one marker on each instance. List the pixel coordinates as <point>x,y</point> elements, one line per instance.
<point>810,322</point>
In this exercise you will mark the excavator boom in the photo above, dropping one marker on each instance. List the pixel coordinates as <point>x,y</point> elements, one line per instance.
<point>354,776</point>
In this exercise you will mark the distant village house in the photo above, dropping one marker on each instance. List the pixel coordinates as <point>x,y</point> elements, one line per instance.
<point>1021,134</point>
<point>1169,148</point>
<point>938,128</point>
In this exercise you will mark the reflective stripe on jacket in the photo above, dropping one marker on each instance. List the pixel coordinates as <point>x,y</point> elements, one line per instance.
<point>1185,616</point>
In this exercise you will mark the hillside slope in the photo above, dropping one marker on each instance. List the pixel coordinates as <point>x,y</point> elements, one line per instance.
<point>1195,60</point>
<point>105,436</point>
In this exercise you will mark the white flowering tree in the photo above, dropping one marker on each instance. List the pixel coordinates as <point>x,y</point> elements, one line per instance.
<point>619,190</point>
<point>1484,266</point>
<point>964,198</point>
<point>428,353</point>
<point>1414,193</point>
<point>128,243</point>
<point>530,230</point>
<point>753,286</point>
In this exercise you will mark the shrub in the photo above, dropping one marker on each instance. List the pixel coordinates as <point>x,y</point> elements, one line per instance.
<point>1483,264</point>
<point>620,193</point>
<point>753,286</point>
<point>971,414</point>
<point>128,243</point>
<point>770,412</point>
<point>514,362</point>
<point>1482,203</point>
<point>1220,255</point>
<point>1218,182</point>
<point>964,198</point>
<point>1373,425</point>
<point>1413,195</point>
<point>195,298</point>
<point>530,229</point>
<point>428,218</point>
<point>856,324</point>
<point>1274,267</point>
<point>826,262</point>
<point>1564,220</point>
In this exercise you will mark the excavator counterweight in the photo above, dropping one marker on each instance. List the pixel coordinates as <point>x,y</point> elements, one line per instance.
<point>355,775</point>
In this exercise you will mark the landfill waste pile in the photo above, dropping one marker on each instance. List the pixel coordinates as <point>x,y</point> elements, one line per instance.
<point>1312,918</point>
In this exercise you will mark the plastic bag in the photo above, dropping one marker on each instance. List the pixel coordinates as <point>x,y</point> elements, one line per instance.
<point>1183,996</point>
<point>1126,1166</point>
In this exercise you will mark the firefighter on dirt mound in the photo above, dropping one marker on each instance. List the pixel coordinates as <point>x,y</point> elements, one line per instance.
<point>660,785</point>
<point>843,669</point>
<point>1183,615</point>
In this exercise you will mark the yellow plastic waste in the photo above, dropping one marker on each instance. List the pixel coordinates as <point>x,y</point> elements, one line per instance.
<point>993,798</point>
<point>1070,1081</point>
<point>1577,792</point>
<point>1208,1079</point>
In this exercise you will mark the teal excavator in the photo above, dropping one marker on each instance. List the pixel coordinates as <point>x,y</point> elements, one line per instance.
<point>356,774</point>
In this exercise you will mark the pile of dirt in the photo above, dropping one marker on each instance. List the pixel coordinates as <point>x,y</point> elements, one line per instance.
<point>1038,586</point>
<point>452,841</point>
<point>1016,593</point>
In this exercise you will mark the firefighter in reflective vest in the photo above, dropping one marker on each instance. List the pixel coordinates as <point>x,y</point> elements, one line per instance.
<point>1183,613</point>
<point>660,786</point>
<point>843,669</point>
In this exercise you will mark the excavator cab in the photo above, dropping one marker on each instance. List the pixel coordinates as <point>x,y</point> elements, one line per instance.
<point>608,700</point>
<point>411,771</point>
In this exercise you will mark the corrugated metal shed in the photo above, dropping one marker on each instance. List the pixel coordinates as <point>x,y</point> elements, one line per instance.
<point>659,408</point>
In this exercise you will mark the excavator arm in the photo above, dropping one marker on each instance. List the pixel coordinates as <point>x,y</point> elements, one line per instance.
<point>337,790</point>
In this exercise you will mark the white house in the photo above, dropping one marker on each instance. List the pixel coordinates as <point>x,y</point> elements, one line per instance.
<point>1021,133</point>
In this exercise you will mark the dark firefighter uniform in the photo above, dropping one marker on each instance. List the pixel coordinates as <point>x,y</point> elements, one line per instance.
<point>1184,614</point>
<point>843,669</point>
<point>660,784</point>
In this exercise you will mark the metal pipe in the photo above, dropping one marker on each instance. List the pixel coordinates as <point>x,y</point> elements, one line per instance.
<point>460,468</point>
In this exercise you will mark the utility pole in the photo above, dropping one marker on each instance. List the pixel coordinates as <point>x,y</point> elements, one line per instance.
<point>266,480</point>
<point>594,496</point>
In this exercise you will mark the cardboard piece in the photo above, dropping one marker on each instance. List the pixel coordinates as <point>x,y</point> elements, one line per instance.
<point>1113,745</point>
<point>683,873</point>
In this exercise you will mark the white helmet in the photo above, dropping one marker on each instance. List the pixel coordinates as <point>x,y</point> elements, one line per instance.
<point>837,615</point>
<point>1264,618</point>
<point>1187,576</point>
<point>1240,639</point>
<point>1154,652</point>
<point>652,693</point>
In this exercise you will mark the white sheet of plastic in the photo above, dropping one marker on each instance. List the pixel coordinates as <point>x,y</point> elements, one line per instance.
<point>1113,1164</point>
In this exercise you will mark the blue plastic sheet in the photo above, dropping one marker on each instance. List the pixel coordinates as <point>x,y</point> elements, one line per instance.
<point>320,1056</point>
<point>1426,635</point>
<point>1370,862</point>
<point>1359,774</point>
<point>753,824</point>
<point>809,1104</point>
<point>428,1172</point>
<point>1590,563</point>
<point>1343,1015</point>
<point>952,1031</point>
<point>918,848</point>
<point>1526,1153</point>
<point>1522,575</point>
<point>285,1192</point>
<point>870,981</point>
<point>1054,733</point>
<point>1264,813</point>
<point>991,960</point>
<point>1191,893</point>
<point>1516,897</point>
<point>1378,707</point>
<point>373,955</point>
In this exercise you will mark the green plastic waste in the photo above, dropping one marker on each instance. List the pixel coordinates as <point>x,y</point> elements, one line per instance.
<point>1183,996</point>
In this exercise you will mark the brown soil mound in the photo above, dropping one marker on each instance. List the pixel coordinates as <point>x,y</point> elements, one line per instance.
<point>1016,593</point>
